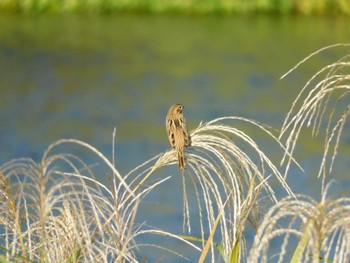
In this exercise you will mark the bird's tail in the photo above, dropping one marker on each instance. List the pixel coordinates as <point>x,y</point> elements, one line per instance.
<point>181,159</point>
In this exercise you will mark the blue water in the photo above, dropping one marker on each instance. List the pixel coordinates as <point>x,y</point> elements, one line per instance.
<point>79,77</point>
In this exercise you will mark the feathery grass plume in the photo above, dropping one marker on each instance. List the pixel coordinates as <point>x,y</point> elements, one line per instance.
<point>219,170</point>
<point>325,97</point>
<point>322,228</point>
<point>56,211</point>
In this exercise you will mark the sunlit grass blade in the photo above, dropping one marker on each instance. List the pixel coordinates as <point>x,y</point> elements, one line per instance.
<point>199,240</point>
<point>300,248</point>
<point>209,241</point>
<point>235,251</point>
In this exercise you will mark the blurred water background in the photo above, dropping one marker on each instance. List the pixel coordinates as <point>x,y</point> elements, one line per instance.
<point>79,76</point>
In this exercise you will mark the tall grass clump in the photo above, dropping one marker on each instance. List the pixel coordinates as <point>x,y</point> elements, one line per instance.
<point>323,103</point>
<point>228,173</point>
<point>56,210</point>
<point>300,228</point>
<point>322,228</point>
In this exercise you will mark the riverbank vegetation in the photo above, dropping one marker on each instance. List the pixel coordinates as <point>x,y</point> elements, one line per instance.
<point>55,210</point>
<point>303,7</point>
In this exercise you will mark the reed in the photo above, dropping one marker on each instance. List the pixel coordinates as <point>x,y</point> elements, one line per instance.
<point>322,229</point>
<point>324,98</point>
<point>56,211</point>
<point>228,182</point>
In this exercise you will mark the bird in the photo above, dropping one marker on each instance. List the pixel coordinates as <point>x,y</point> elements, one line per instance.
<point>177,132</point>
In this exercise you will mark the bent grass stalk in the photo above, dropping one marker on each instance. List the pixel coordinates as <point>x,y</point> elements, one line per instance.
<point>322,228</point>
<point>49,214</point>
<point>222,176</point>
<point>330,85</point>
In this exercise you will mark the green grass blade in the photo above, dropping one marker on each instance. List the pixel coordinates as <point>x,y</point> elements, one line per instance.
<point>210,238</point>
<point>301,245</point>
<point>235,252</point>
<point>209,241</point>
<point>3,259</point>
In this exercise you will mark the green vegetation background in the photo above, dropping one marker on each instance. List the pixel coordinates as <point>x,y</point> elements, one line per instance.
<point>306,7</point>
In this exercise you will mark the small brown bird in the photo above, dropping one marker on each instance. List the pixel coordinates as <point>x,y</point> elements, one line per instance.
<point>177,132</point>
